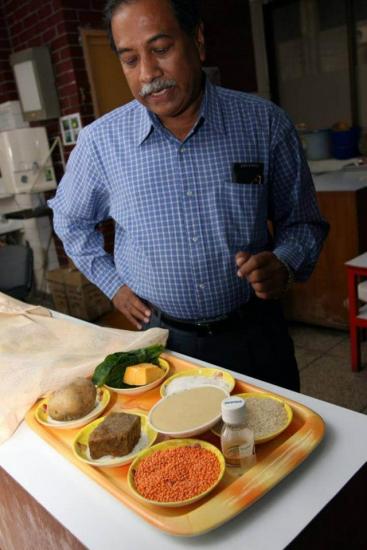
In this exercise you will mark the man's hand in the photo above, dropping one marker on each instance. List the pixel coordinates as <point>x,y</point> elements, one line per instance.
<point>265,273</point>
<point>131,306</point>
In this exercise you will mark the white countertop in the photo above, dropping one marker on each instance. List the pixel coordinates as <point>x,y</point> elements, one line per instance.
<point>338,175</point>
<point>101,522</point>
<point>342,180</point>
<point>331,164</point>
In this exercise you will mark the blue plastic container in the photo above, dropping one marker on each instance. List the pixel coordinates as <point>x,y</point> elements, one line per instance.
<point>316,144</point>
<point>344,143</point>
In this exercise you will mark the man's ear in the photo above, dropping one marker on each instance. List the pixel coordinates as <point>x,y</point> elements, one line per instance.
<point>200,41</point>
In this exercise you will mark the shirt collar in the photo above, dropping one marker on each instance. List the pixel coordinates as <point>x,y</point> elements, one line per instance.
<point>210,112</point>
<point>144,126</point>
<point>211,109</point>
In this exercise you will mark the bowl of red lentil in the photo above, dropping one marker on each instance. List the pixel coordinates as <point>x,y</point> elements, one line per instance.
<point>176,473</point>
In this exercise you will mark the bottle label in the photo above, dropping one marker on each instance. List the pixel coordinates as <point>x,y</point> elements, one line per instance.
<point>237,451</point>
<point>240,457</point>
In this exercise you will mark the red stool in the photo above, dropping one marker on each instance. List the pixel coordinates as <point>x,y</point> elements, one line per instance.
<point>356,268</point>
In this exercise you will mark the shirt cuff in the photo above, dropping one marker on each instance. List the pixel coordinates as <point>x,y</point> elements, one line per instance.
<point>290,255</point>
<point>109,283</point>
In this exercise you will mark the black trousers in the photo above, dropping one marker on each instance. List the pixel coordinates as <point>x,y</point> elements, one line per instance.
<point>258,345</point>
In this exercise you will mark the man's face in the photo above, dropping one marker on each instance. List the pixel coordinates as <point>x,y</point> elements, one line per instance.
<point>162,64</point>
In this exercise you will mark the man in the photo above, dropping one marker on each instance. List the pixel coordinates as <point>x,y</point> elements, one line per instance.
<point>191,174</point>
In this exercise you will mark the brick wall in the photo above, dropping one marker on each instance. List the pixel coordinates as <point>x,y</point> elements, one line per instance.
<point>7,85</point>
<point>56,24</point>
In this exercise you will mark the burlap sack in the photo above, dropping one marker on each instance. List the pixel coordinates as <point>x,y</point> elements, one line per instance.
<point>40,353</point>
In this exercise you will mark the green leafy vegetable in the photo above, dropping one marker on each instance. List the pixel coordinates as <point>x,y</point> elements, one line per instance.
<point>111,371</point>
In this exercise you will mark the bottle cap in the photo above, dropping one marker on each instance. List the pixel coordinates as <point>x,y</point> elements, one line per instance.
<point>233,410</point>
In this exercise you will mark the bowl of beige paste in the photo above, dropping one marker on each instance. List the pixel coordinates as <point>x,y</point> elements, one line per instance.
<point>189,412</point>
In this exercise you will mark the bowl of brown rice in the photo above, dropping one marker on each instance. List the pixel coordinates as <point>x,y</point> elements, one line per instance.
<point>267,415</point>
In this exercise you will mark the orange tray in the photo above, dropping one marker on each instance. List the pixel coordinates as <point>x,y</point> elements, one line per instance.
<point>275,460</point>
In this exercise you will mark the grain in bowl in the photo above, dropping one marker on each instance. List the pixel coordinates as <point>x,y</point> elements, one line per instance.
<point>267,415</point>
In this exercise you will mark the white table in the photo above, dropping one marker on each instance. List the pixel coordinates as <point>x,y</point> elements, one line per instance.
<point>101,522</point>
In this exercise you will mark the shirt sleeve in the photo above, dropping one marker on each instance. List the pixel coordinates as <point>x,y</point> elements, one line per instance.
<point>299,229</point>
<point>80,204</point>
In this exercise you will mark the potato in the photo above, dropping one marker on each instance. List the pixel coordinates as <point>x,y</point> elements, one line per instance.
<point>72,401</point>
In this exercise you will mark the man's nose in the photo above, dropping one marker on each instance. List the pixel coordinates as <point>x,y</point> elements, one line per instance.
<point>149,69</point>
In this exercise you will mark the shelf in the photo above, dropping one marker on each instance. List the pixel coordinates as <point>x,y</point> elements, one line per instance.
<point>10,226</point>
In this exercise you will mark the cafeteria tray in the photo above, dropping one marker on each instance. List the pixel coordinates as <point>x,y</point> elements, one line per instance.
<point>275,460</point>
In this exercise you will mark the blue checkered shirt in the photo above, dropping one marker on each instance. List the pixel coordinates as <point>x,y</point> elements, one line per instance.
<point>179,217</point>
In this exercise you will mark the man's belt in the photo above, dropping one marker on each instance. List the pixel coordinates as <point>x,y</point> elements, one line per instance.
<point>224,323</point>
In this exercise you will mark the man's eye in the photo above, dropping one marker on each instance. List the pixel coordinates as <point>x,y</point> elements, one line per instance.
<point>129,61</point>
<point>161,51</point>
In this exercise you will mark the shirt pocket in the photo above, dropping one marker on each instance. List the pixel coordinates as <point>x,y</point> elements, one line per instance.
<point>242,211</point>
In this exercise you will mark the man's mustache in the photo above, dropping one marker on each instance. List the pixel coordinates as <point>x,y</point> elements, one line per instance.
<point>156,86</point>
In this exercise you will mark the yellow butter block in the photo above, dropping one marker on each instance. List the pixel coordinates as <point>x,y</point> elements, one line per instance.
<point>141,374</point>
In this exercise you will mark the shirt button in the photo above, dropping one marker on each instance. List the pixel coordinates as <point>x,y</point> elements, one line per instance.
<point>182,149</point>
<point>195,238</point>
<point>202,285</point>
<point>189,193</point>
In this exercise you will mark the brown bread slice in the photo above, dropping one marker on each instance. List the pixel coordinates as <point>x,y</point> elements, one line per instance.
<point>117,435</point>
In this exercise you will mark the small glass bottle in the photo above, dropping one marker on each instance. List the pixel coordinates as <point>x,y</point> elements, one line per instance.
<point>237,440</point>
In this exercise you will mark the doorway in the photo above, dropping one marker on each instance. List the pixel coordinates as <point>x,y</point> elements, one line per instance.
<point>109,88</point>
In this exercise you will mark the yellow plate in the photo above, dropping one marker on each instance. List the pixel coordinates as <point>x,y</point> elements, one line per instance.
<point>209,374</point>
<point>42,416</point>
<point>169,445</point>
<point>217,428</point>
<point>81,449</point>
<point>136,390</point>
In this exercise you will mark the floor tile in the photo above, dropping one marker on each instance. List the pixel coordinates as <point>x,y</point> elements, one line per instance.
<point>342,350</point>
<point>330,378</point>
<point>305,357</point>
<point>318,339</point>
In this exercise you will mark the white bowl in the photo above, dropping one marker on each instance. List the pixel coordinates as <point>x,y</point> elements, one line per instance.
<point>194,428</point>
